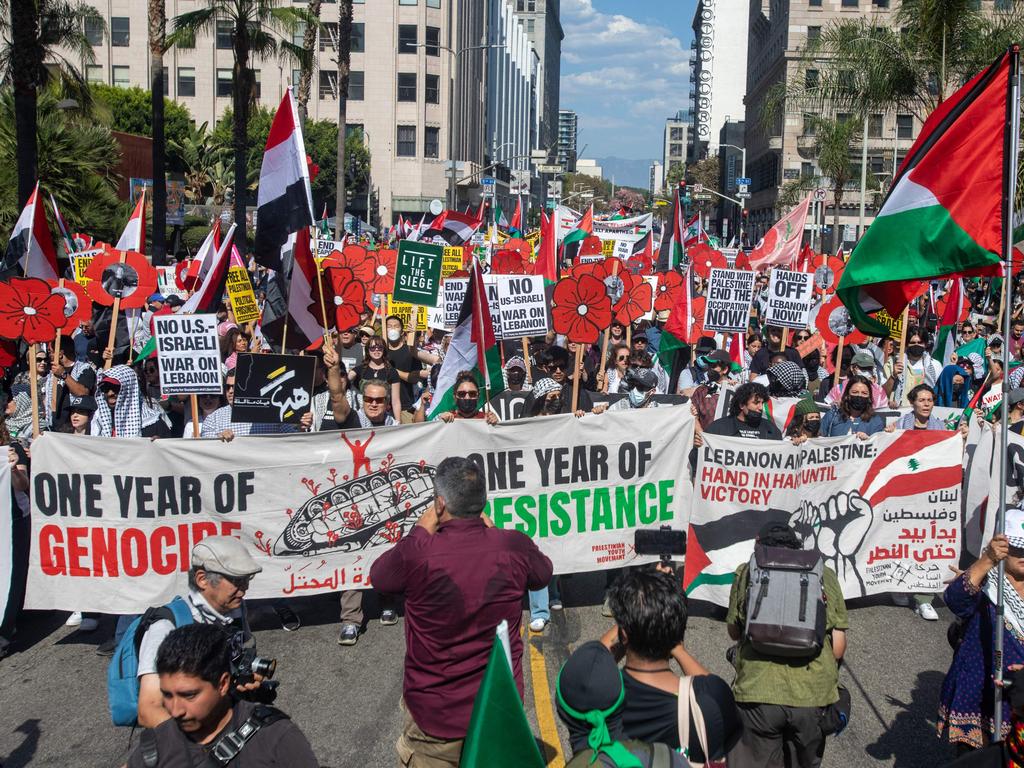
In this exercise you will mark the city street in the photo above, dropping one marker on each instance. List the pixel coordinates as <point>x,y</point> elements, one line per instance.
<point>53,708</point>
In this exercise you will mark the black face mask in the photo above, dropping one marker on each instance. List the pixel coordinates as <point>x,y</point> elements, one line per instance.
<point>811,362</point>
<point>552,407</point>
<point>753,418</point>
<point>714,375</point>
<point>812,428</point>
<point>516,376</point>
<point>465,406</point>
<point>957,389</point>
<point>859,403</point>
<point>915,350</point>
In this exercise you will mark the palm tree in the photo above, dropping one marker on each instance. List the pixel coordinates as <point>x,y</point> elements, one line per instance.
<point>832,141</point>
<point>306,72</point>
<point>157,47</point>
<point>34,36</point>
<point>199,153</point>
<point>344,57</point>
<point>255,25</point>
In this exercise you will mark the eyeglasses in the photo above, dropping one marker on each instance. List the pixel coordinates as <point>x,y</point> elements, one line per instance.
<point>238,582</point>
<point>558,367</point>
<point>804,337</point>
<point>374,400</point>
<point>968,331</point>
<point>467,395</point>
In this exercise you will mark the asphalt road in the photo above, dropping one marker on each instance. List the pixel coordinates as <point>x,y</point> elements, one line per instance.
<point>53,688</point>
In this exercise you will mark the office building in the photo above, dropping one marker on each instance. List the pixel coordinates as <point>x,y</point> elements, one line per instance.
<point>677,131</point>
<point>587,167</point>
<point>541,21</point>
<point>730,167</point>
<point>657,180</point>
<point>567,131</point>
<point>718,74</point>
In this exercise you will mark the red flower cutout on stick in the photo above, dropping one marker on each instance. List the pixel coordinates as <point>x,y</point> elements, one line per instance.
<point>77,305</point>
<point>581,308</point>
<point>508,262</point>
<point>591,246</point>
<point>827,275</point>
<point>640,265</point>
<point>348,297</point>
<point>704,258</point>
<point>29,311</point>
<point>637,303</point>
<point>181,278</point>
<point>133,280</point>
<point>521,246</point>
<point>669,286</point>
<point>385,261</point>
<point>834,322</point>
<point>742,261</point>
<point>357,260</point>
<point>618,281</point>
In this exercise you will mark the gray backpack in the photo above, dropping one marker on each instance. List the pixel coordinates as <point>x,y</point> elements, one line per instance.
<point>785,602</point>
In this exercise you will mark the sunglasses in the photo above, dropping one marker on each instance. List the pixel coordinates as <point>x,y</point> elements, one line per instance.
<point>467,395</point>
<point>374,400</point>
<point>802,338</point>
<point>558,367</point>
<point>238,582</point>
<point>622,359</point>
<point>41,359</point>
<point>375,348</point>
<point>229,388</point>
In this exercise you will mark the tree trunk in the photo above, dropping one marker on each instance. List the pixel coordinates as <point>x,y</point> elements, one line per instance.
<point>837,198</point>
<point>242,98</point>
<point>306,75</point>
<point>24,67</point>
<point>344,51</point>
<point>157,35</point>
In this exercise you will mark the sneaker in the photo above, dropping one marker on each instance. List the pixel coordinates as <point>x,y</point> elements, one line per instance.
<point>74,620</point>
<point>537,625</point>
<point>5,646</point>
<point>555,605</point>
<point>106,648</point>
<point>349,634</point>
<point>290,620</point>
<point>388,617</point>
<point>88,625</point>
<point>901,599</point>
<point>606,608</point>
<point>927,612</point>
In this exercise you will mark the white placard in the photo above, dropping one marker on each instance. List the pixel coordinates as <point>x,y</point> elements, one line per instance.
<point>790,297</point>
<point>728,300</point>
<point>453,292</point>
<point>524,307</point>
<point>188,351</point>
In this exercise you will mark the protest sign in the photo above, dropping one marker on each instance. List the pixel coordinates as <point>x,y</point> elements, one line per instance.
<point>403,311</point>
<point>316,510</point>
<point>451,261</point>
<point>272,389</point>
<point>325,248</point>
<point>523,306</point>
<point>241,295</point>
<point>884,512</point>
<point>981,524</point>
<point>188,349</point>
<point>608,248</point>
<point>81,261</point>
<point>790,299</point>
<point>418,273</point>
<point>509,405</point>
<point>730,292</point>
<point>894,324</point>
<point>166,282</point>
<point>453,292</point>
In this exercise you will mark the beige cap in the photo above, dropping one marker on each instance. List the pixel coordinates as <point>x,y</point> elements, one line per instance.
<point>224,554</point>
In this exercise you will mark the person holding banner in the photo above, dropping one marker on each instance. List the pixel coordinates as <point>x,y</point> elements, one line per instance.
<point>378,367</point>
<point>746,416</point>
<point>861,364</point>
<point>614,375</point>
<point>915,367</point>
<point>704,400</point>
<point>208,403</point>
<point>467,401</point>
<point>854,414</point>
<point>20,542</point>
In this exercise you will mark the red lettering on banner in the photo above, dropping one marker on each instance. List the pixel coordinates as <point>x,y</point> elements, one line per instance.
<point>76,551</point>
<point>51,561</point>
<point>104,552</point>
<point>134,566</point>
<point>161,537</point>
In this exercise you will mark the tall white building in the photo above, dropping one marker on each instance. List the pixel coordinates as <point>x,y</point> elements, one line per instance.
<point>567,130</point>
<point>676,141</point>
<point>719,71</point>
<point>657,180</point>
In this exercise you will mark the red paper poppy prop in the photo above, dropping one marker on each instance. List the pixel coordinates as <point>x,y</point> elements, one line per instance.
<point>384,261</point>
<point>77,305</point>
<point>704,258</point>
<point>826,276</point>
<point>347,296</point>
<point>508,262</point>
<point>29,311</point>
<point>742,261</point>
<point>640,265</point>
<point>618,281</point>
<point>669,286</point>
<point>834,322</point>
<point>940,309</point>
<point>520,246</point>
<point>357,260</point>
<point>581,308</point>
<point>132,280</point>
<point>591,246</point>
<point>637,304</point>
<point>181,278</point>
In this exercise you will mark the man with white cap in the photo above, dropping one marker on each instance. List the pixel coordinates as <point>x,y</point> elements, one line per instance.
<point>217,582</point>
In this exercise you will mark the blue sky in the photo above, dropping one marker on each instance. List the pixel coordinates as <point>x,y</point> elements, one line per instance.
<point>625,68</point>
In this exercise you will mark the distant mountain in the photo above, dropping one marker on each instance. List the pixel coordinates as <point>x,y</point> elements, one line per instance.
<point>633,173</point>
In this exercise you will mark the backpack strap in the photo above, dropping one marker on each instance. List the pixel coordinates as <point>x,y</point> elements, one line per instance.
<point>149,748</point>
<point>804,581</point>
<point>231,743</point>
<point>761,594</point>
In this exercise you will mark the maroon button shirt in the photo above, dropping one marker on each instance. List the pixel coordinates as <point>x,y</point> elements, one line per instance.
<point>459,583</point>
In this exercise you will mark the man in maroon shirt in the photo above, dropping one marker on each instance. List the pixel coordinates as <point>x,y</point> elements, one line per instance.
<point>460,577</point>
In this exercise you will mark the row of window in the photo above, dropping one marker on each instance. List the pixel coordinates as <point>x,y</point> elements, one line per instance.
<point>428,3</point>
<point>904,125</point>
<point>405,141</point>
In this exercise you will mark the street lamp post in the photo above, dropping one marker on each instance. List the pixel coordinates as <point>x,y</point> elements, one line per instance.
<point>743,174</point>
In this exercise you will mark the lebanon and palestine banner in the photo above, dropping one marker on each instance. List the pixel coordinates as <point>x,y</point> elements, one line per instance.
<point>884,512</point>
<point>317,509</point>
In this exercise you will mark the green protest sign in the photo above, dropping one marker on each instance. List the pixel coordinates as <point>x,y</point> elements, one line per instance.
<point>418,273</point>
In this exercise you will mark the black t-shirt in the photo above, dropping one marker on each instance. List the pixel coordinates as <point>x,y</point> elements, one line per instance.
<point>403,360</point>
<point>352,422</point>
<point>277,745</point>
<point>387,376</point>
<point>1018,427</point>
<point>730,426</point>
<point>351,356</point>
<point>759,364</point>
<point>651,714</point>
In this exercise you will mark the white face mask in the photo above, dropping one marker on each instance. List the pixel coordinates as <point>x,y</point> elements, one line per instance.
<point>637,397</point>
<point>394,335</point>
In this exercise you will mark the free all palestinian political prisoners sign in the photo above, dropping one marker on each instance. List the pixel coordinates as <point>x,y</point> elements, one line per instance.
<point>316,510</point>
<point>188,351</point>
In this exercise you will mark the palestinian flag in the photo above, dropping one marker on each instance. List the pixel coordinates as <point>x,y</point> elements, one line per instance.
<point>945,213</point>
<point>679,328</point>
<point>584,229</point>
<point>677,251</point>
<point>945,347</point>
<point>472,348</point>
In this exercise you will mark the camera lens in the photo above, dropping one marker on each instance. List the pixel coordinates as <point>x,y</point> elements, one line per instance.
<point>264,667</point>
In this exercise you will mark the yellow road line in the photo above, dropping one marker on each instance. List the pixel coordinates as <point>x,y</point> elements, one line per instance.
<point>542,705</point>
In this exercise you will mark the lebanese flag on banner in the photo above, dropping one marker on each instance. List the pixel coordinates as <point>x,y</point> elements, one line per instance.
<point>781,244</point>
<point>290,299</point>
<point>213,274</point>
<point>133,238</point>
<point>945,347</point>
<point>284,201</point>
<point>945,213</point>
<point>30,243</point>
<point>546,264</point>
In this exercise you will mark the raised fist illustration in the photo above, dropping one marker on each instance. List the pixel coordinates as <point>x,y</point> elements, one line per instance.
<point>835,528</point>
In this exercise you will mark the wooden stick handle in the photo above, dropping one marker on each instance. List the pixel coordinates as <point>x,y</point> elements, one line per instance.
<point>576,378</point>
<point>785,340</point>
<point>33,385</point>
<point>194,403</point>
<point>526,360</point>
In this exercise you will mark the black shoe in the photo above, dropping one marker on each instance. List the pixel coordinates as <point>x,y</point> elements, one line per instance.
<point>290,620</point>
<point>107,648</point>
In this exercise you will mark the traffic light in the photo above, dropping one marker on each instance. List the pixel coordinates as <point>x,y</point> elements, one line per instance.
<point>746,213</point>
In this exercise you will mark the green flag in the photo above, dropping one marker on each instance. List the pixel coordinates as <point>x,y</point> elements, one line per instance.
<point>499,733</point>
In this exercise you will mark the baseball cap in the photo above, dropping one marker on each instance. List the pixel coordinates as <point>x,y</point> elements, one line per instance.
<point>109,382</point>
<point>224,554</point>
<point>718,357</point>
<point>82,403</point>
<point>515,361</point>
<point>863,360</point>
<point>157,297</point>
<point>174,300</point>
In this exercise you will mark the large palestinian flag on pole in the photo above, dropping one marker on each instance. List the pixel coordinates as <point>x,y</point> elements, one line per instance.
<point>946,211</point>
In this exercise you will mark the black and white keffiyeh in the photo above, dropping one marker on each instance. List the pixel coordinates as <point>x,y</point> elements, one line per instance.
<point>791,378</point>
<point>127,417</point>
<point>220,420</point>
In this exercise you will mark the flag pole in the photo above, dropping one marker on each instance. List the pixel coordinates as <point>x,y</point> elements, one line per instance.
<point>1012,145</point>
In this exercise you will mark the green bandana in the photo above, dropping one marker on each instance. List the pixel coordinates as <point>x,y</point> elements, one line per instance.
<point>600,739</point>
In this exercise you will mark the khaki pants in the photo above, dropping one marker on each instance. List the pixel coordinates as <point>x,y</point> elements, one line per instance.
<point>418,750</point>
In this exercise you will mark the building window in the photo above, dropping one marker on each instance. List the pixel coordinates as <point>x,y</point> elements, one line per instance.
<point>355,86</point>
<point>904,126</point>
<point>329,35</point>
<point>814,3</point>
<point>122,77</point>
<point>94,74</point>
<point>328,78</point>
<point>811,78</point>
<point>167,82</point>
<point>186,81</point>
<point>432,89</point>
<point>120,31</point>
<point>432,41</point>
<point>299,35</point>
<point>813,34</point>
<point>256,82</point>
<point>354,129</point>
<point>407,86</point>
<point>850,3</point>
<point>806,170</point>
<point>675,134</point>
<point>876,164</point>
<point>407,2</point>
<point>875,127</point>
<point>884,3</point>
<point>224,82</point>
<point>357,41</point>
<point>843,117</point>
<point>406,141</point>
<point>433,3</point>
<point>809,125</point>
<point>530,26</point>
<point>224,34</point>
<point>296,77</point>
<point>675,150</point>
<point>94,30</point>
<point>407,38</point>
<point>431,142</point>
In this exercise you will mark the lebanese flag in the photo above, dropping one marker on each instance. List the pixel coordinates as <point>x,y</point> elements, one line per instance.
<point>213,274</point>
<point>200,265</point>
<point>285,203</point>
<point>547,250</point>
<point>781,244</point>
<point>516,225</point>
<point>133,238</point>
<point>289,299</point>
<point>31,243</point>
<point>694,232</point>
<point>945,214</point>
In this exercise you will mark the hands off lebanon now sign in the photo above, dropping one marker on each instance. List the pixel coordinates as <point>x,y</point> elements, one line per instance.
<point>317,509</point>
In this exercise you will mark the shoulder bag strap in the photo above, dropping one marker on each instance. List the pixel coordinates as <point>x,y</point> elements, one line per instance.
<point>150,749</point>
<point>683,717</point>
<point>231,743</point>
<point>702,731</point>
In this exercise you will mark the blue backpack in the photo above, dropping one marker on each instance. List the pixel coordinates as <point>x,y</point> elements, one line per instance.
<point>123,672</point>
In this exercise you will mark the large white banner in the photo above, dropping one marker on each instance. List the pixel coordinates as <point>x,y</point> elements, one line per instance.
<point>114,534</point>
<point>884,512</point>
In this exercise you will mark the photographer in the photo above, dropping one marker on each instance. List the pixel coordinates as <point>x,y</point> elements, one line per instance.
<point>204,722</point>
<point>218,579</point>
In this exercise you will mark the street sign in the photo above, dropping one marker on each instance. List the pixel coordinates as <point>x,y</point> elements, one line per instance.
<point>545,168</point>
<point>697,188</point>
<point>703,196</point>
<point>820,195</point>
<point>742,195</point>
<point>742,188</point>
<point>487,181</point>
<point>744,182</point>
<point>520,183</point>
<point>554,189</point>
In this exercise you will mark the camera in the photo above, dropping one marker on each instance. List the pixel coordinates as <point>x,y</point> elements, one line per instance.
<point>663,542</point>
<point>246,666</point>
